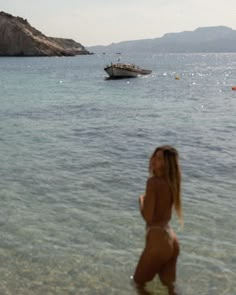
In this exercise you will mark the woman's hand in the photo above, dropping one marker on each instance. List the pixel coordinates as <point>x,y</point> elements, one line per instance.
<point>141,200</point>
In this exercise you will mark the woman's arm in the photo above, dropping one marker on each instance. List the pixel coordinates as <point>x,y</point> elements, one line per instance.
<point>147,201</point>
<point>141,200</point>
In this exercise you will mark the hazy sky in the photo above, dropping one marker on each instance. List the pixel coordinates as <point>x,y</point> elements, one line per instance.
<point>96,22</point>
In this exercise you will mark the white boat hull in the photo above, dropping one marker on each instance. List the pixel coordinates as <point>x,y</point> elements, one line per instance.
<point>117,72</point>
<point>121,70</point>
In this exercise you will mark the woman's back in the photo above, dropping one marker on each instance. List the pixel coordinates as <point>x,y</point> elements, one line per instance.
<point>163,202</point>
<point>157,207</point>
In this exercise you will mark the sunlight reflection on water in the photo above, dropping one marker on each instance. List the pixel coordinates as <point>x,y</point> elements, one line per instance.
<point>75,161</point>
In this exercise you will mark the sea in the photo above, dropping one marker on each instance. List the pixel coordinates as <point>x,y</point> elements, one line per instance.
<point>74,159</point>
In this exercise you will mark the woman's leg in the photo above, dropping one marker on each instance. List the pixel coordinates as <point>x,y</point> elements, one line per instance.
<point>159,257</point>
<point>157,251</point>
<point>167,273</point>
<point>148,266</point>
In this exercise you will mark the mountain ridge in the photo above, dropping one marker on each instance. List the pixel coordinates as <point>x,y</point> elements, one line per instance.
<point>202,39</point>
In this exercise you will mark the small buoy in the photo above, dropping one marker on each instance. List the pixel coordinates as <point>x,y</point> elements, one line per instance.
<point>177,77</point>
<point>234,88</point>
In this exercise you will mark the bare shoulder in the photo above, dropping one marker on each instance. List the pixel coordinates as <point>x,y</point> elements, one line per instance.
<point>157,183</point>
<point>157,180</point>
<point>151,181</point>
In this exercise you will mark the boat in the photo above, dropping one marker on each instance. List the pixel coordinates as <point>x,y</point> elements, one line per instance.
<point>124,70</point>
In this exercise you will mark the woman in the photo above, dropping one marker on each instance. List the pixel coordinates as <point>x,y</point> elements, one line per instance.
<point>163,192</point>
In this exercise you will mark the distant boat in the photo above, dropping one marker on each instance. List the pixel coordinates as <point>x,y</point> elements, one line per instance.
<point>124,70</point>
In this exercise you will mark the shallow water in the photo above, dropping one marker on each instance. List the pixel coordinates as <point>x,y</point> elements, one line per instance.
<point>74,156</point>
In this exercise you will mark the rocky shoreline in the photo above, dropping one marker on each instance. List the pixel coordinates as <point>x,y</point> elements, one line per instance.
<point>19,38</point>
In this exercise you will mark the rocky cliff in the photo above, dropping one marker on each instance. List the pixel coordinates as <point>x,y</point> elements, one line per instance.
<point>19,38</point>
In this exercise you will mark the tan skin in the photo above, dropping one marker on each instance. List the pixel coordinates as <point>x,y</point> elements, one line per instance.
<point>162,248</point>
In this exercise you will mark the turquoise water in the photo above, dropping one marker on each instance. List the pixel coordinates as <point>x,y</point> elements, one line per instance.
<point>74,156</point>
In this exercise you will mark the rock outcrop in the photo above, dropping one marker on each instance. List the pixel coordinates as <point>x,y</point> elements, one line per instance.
<point>19,38</point>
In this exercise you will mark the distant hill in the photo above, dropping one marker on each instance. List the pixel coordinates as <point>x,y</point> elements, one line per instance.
<point>19,38</point>
<point>205,39</point>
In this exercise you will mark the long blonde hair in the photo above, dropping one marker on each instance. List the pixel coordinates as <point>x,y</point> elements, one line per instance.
<point>172,174</point>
